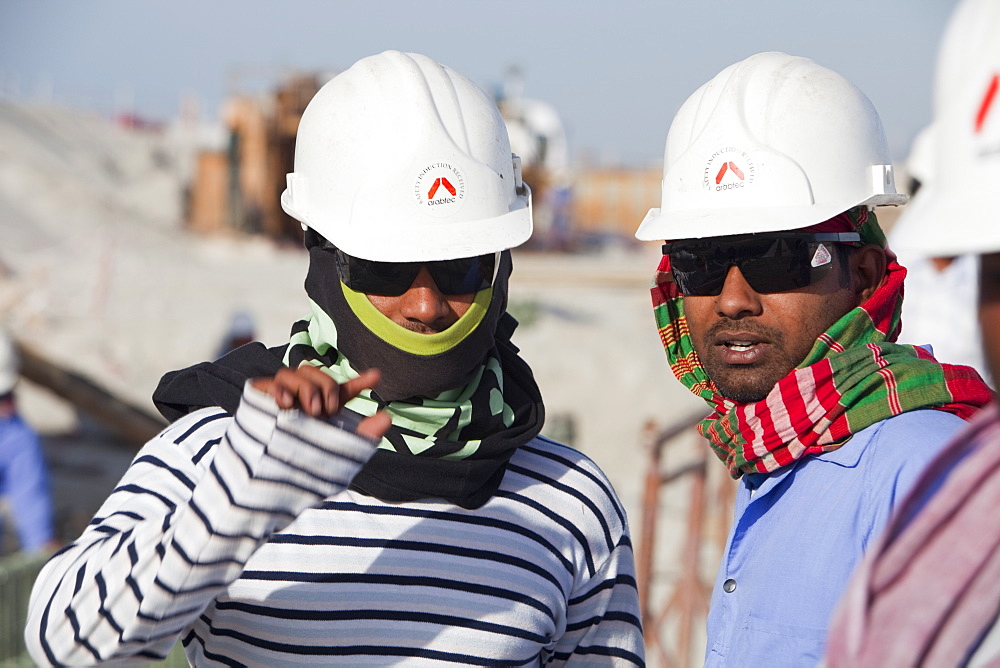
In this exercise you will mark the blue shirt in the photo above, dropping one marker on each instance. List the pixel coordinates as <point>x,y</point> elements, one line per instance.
<point>793,547</point>
<point>24,484</point>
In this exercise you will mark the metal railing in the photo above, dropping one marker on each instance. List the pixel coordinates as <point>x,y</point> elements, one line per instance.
<point>17,574</point>
<point>674,599</point>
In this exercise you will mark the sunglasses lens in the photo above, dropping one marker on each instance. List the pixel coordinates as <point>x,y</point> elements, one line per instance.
<point>463,276</point>
<point>768,264</point>
<point>392,279</point>
<point>698,270</point>
<point>783,266</point>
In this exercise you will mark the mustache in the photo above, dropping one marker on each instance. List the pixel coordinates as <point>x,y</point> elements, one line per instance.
<point>747,326</point>
<point>435,327</point>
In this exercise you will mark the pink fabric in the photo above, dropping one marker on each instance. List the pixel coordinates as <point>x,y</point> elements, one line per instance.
<point>930,589</point>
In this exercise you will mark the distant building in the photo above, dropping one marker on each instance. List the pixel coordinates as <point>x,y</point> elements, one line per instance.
<point>239,187</point>
<point>612,201</point>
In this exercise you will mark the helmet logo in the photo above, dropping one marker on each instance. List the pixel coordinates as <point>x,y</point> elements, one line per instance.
<point>729,168</point>
<point>439,189</point>
<point>984,106</point>
<point>443,181</point>
<point>722,172</point>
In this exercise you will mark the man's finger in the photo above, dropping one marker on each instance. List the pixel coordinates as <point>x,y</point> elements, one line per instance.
<point>278,392</point>
<point>298,388</point>
<point>326,387</point>
<point>365,381</point>
<point>262,384</point>
<point>374,427</point>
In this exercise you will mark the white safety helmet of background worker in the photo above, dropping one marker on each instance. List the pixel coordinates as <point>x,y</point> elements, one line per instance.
<point>775,142</point>
<point>921,165</point>
<point>921,161</point>
<point>10,364</point>
<point>401,159</point>
<point>955,212</point>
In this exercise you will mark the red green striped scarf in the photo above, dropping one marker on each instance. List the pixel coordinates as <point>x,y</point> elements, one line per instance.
<point>854,376</point>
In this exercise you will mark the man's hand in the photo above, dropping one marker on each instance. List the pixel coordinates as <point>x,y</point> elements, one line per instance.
<point>317,394</point>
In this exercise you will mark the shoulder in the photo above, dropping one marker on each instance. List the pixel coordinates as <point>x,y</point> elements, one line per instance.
<point>915,432</point>
<point>558,463</point>
<point>195,432</point>
<point>900,447</point>
<point>565,479</point>
<point>16,430</point>
<point>18,442</point>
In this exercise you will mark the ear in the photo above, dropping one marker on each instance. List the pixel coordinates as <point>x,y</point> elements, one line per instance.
<point>868,265</point>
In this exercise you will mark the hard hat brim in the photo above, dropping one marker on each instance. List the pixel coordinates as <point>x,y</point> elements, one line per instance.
<point>724,222</point>
<point>947,222</point>
<point>428,242</point>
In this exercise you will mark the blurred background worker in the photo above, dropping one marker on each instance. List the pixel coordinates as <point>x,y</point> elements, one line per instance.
<point>940,304</point>
<point>24,480</point>
<point>778,301</point>
<point>241,331</point>
<point>929,593</point>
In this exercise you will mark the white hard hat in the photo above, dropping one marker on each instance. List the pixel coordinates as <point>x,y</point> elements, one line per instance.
<point>401,159</point>
<point>775,142</point>
<point>921,161</point>
<point>921,165</point>
<point>955,213</point>
<point>10,364</point>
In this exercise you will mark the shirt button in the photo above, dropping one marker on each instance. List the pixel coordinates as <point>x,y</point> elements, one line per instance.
<point>729,586</point>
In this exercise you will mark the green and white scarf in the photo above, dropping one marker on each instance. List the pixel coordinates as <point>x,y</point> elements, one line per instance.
<point>449,426</point>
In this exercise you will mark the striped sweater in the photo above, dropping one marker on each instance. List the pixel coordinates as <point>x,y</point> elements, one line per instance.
<point>238,535</point>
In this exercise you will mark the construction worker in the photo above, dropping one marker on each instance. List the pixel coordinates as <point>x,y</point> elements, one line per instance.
<point>259,531</point>
<point>928,593</point>
<point>24,477</point>
<point>777,302</point>
<point>940,306</point>
<point>239,333</point>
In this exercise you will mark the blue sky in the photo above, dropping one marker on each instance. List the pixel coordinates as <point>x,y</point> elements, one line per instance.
<point>615,71</point>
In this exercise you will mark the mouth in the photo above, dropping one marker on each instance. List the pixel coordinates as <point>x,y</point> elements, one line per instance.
<point>740,348</point>
<point>420,327</point>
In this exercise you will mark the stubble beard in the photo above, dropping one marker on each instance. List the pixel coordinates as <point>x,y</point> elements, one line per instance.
<point>746,383</point>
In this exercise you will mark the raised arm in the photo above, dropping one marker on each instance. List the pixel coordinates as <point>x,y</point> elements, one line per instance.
<point>196,503</point>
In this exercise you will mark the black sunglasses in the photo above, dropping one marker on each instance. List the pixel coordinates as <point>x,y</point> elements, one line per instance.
<point>391,279</point>
<point>773,262</point>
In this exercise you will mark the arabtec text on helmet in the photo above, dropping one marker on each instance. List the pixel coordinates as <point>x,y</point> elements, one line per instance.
<point>729,168</point>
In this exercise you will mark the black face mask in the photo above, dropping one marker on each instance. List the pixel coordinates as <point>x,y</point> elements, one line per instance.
<point>404,374</point>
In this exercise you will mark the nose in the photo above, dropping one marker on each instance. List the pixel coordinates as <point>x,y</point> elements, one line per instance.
<point>737,299</point>
<point>424,303</point>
